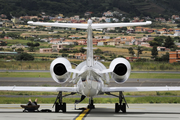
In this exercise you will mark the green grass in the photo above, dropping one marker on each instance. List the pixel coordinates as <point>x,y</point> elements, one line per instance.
<point>25,74</point>
<point>28,93</point>
<point>44,65</point>
<point>155,75</point>
<point>47,75</point>
<point>23,100</point>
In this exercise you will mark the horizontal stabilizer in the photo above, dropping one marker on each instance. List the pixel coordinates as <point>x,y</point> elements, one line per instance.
<point>85,26</point>
<point>111,25</point>
<point>68,25</point>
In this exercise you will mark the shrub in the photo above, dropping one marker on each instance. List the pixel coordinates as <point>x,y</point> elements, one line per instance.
<point>25,57</point>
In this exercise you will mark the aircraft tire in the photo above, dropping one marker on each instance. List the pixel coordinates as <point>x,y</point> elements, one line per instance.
<point>124,108</point>
<point>116,107</point>
<point>64,107</point>
<point>56,107</point>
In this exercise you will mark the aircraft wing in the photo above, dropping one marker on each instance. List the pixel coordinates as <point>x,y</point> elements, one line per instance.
<point>42,89</point>
<point>85,26</point>
<point>136,89</point>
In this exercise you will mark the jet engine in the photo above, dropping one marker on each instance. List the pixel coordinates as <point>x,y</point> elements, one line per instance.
<point>59,70</point>
<point>121,70</point>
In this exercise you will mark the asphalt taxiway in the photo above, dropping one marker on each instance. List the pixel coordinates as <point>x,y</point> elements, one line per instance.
<point>102,112</point>
<point>5,81</point>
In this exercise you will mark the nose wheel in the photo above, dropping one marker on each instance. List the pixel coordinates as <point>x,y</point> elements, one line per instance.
<point>91,105</point>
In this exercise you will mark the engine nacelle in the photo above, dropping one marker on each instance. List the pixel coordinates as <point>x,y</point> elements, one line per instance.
<point>121,70</point>
<point>59,70</point>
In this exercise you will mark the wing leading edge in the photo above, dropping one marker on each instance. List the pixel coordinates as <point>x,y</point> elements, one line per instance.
<point>136,89</point>
<point>45,89</point>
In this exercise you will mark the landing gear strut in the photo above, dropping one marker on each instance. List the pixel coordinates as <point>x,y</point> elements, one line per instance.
<point>59,105</point>
<point>91,105</point>
<point>120,106</point>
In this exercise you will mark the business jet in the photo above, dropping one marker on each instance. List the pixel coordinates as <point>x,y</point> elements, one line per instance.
<point>90,77</point>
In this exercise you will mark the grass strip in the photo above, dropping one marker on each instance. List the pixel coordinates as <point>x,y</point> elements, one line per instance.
<point>7,100</point>
<point>47,75</point>
<point>155,75</point>
<point>26,74</point>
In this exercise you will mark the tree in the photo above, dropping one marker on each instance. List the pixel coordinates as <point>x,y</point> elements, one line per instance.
<point>13,34</point>
<point>165,57</point>
<point>64,55</point>
<point>169,43</point>
<point>154,52</point>
<point>131,51</point>
<point>1,49</point>
<point>156,42</point>
<point>3,34</point>
<point>32,46</point>
<point>126,20</point>
<point>36,44</point>
<point>25,57</point>
<point>2,43</point>
<point>139,51</point>
<point>178,25</point>
<point>82,50</point>
<point>102,21</point>
<point>20,50</point>
<point>98,51</point>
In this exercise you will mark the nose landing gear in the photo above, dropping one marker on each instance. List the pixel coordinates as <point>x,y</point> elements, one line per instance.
<point>91,105</point>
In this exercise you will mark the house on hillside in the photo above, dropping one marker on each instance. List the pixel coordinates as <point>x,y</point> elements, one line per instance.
<point>45,50</point>
<point>81,42</point>
<point>83,56</point>
<point>139,29</point>
<point>108,14</point>
<point>174,56</point>
<point>55,41</point>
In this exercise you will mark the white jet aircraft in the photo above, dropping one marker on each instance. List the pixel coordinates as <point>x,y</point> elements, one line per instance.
<point>90,77</point>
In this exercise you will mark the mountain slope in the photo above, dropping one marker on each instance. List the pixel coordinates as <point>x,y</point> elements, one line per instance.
<point>79,7</point>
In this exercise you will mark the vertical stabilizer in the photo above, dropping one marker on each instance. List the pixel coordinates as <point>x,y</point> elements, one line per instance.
<point>90,61</point>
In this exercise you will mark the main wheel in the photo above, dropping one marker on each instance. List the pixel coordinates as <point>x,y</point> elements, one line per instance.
<point>56,107</point>
<point>64,107</point>
<point>116,107</point>
<point>124,108</point>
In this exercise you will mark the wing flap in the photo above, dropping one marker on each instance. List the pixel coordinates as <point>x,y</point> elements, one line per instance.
<point>136,89</point>
<point>42,89</point>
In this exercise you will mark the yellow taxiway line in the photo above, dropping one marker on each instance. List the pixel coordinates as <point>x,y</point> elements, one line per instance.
<point>82,115</point>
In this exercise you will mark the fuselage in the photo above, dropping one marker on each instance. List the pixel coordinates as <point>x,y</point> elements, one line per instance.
<point>90,82</point>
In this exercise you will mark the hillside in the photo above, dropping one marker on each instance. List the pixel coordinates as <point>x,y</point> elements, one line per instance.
<point>73,7</point>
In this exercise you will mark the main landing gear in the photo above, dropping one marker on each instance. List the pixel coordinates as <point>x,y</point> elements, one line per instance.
<point>59,105</point>
<point>120,106</point>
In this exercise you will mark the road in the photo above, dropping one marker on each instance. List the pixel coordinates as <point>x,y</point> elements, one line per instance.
<point>50,82</point>
<point>102,112</point>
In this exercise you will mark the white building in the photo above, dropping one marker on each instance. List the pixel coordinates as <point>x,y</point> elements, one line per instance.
<point>177,33</point>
